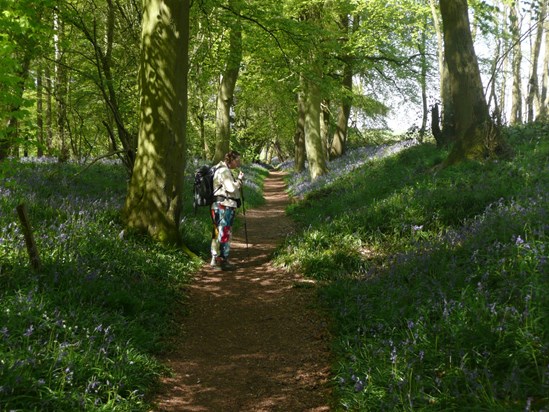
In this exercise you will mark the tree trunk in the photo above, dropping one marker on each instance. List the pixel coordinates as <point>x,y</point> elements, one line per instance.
<point>299,137</point>
<point>316,156</point>
<point>532,100</point>
<point>103,48</point>
<point>7,142</point>
<point>109,93</point>
<point>60,91</point>
<point>339,140</point>
<point>49,111</point>
<point>515,116</point>
<point>325,126</point>
<point>476,134</point>
<point>544,94</point>
<point>153,203</point>
<point>40,112</point>
<point>440,46</point>
<point>446,117</point>
<point>493,76</point>
<point>506,63</point>
<point>226,89</point>
<point>448,109</point>
<point>423,82</point>
<point>435,125</point>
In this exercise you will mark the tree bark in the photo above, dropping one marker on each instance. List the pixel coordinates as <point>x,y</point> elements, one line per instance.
<point>60,91</point>
<point>49,110</point>
<point>515,116</point>
<point>316,156</point>
<point>7,142</point>
<point>423,82</point>
<point>492,82</point>
<point>505,64</point>
<point>227,85</point>
<point>299,137</point>
<point>440,46</point>
<point>339,140</point>
<point>476,134</point>
<point>446,115</point>
<point>153,203</point>
<point>532,100</point>
<point>544,94</point>
<point>32,249</point>
<point>435,125</point>
<point>40,111</point>
<point>325,126</point>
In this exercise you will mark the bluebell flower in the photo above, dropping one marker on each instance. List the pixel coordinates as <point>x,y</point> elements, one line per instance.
<point>5,332</point>
<point>29,331</point>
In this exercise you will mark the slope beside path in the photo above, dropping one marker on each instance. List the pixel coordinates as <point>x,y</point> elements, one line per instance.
<point>253,340</point>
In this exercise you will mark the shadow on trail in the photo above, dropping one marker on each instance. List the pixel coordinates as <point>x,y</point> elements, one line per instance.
<point>252,340</point>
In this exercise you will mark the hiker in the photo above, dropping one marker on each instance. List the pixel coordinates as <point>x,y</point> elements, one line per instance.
<point>227,191</point>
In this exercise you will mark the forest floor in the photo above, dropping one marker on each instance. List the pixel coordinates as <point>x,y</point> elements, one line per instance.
<point>253,339</point>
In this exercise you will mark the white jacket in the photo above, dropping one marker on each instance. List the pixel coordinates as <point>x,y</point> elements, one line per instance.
<point>226,186</point>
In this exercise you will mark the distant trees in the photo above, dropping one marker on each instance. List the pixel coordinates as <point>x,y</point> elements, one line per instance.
<point>290,78</point>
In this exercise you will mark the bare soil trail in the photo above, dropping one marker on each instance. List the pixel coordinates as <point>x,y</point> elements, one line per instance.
<point>253,340</point>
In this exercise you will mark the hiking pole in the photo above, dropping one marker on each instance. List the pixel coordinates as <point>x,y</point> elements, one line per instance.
<point>245,225</point>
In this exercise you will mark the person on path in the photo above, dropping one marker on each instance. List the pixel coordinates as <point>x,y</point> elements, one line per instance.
<point>227,191</point>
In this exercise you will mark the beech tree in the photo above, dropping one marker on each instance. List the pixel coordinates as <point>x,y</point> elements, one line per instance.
<point>516,96</point>
<point>533,103</point>
<point>443,135</point>
<point>227,85</point>
<point>311,79</point>
<point>154,199</point>
<point>477,136</point>
<point>348,25</point>
<point>544,95</point>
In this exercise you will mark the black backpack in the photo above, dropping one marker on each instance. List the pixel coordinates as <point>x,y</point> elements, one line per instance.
<point>203,190</point>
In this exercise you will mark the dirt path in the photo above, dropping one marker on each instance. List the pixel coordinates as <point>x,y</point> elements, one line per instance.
<point>252,341</point>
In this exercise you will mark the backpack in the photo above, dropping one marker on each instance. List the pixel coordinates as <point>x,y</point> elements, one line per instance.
<point>203,190</point>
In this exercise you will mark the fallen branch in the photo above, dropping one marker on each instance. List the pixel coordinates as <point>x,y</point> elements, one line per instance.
<point>29,238</point>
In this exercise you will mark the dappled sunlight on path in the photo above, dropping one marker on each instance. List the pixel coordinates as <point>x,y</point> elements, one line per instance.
<point>252,340</point>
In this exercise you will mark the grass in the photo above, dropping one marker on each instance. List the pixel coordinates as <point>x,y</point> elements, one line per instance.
<point>84,332</point>
<point>435,281</point>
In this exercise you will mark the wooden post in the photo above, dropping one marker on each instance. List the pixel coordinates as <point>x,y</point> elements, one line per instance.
<point>29,238</point>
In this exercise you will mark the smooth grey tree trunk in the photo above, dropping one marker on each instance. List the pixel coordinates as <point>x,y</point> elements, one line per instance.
<point>299,137</point>
<point>314,147</point>
<point>533,97</point>
<point>515,116</point>
<point>339,140</point>
<point>544,93</point>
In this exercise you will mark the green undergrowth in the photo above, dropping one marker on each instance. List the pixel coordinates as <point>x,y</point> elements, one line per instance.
<point>435,280</point>
<point>84,332</point>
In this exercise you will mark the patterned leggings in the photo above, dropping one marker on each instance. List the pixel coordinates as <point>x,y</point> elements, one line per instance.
<point>222,218</point>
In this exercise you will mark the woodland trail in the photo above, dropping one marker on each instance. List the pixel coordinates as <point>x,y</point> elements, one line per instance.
<point>253,340</point>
